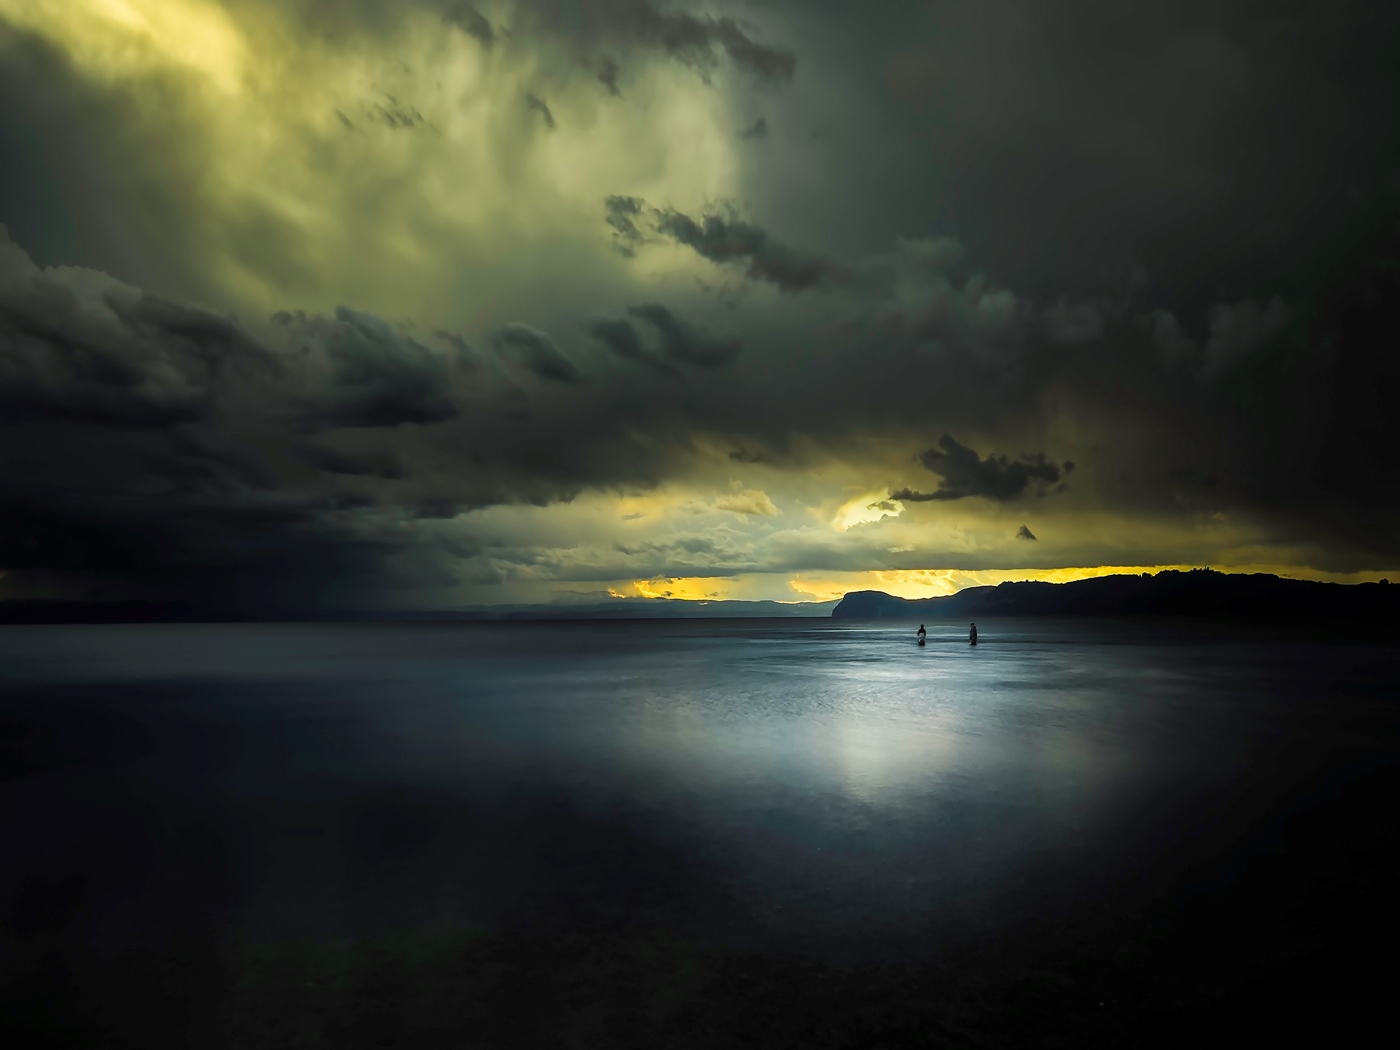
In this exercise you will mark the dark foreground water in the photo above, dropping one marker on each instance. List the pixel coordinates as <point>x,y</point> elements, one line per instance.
<point>695,834</point>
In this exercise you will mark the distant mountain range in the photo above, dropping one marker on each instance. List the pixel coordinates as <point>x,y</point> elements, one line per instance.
<point>1197,592</point>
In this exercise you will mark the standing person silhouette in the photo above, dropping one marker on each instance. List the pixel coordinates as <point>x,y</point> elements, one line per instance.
<point>972,635</point>
<point>921,633</point>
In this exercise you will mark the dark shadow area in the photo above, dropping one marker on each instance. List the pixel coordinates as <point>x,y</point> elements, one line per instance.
<point>282,864</point>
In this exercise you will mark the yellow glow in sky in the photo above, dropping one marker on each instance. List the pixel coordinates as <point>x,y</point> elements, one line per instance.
<point>693,589</point>
<point>122,37</point>
<point>918,583</point>
<point>400,172</point>
<point>871,506</point>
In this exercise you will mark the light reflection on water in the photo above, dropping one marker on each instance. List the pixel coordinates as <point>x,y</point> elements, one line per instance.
<point>780,785</point>
<point>818,707</point>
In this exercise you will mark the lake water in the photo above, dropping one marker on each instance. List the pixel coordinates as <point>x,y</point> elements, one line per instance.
<point>693,833</point>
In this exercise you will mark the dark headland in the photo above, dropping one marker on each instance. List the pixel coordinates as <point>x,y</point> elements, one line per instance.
<point>1197,592</point>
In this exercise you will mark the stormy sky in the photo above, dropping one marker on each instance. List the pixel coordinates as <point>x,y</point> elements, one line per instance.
<point>322,304</point>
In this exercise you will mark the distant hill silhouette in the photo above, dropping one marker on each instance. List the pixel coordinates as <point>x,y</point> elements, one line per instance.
<point>1198,592</point>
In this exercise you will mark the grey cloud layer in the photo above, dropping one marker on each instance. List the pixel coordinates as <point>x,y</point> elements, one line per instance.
<point>599,31</point>
<point>721,238</point>
<point>537,352</point>
<point>696,39</point>
<point>206,474</point>
<point>965,474</point>
<point>676,342</point>
<point>1162,244</point>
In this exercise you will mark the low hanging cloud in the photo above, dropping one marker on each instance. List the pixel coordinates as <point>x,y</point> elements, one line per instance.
<point>931,253</point>
<point>360,372</point>
<point>473,24</point>
<point>750,502</point>
<point>623,339</point>
<point>375,464</point>
<point>685,343</point>
<point>607,71</point>
<point>966,474</point>
<point>394,114</point>
<point>757,130</point>
<point>83,347</point>
<point>537,352</point>
<point>723,238</point>
<point>1067,322</point>
<point>1170,339</point>
<point>1237,330</point>
<point>540,106</point>
<point>673,341</point>
<point>696,40</point>
<point>152,433</point>
<point>624,214</point>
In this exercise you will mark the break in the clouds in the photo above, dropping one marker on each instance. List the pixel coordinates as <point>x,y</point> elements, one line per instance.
<point>432,303</point>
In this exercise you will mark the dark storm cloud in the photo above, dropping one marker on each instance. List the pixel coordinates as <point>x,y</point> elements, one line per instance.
<point>697,40</point>
<point>246,556</point>
<point>541,107</point>
<point>623,339</point>
<point>1077,323</point>
<point>596,32</point>
<point>395,114</point>
<point>1166,237</point>
<point>607,70</point>
<point>360,372</point>
<point>473,24</point>
<point>965,474</point>
<point>619,337</point>
<point>684,343</point>
<point>537,352</point>
<point>116,357</point>
<point>218,502</point>
<point>623,214</point>
<point>1238,330</point>
<point>725,239</point>
<point>674,340</point>
<point>1208,144</point>
<point>757,130</point>
<point>333,461</point>
<point>154,448</point>
<point>78,345</point>
<point>466,356</point>
<point>1169,337</point>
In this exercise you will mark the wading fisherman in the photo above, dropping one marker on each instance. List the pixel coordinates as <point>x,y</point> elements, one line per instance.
<point>972,635</point>
<point>921,633</point>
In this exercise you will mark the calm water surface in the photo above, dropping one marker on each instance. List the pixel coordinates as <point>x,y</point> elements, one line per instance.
<point>690,832</point>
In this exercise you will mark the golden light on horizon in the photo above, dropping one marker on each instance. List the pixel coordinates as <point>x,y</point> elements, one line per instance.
<point>921,583</point>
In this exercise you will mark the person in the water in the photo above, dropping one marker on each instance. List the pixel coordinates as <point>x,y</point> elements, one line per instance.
<point>921,632</point>
<point>972,635</point>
